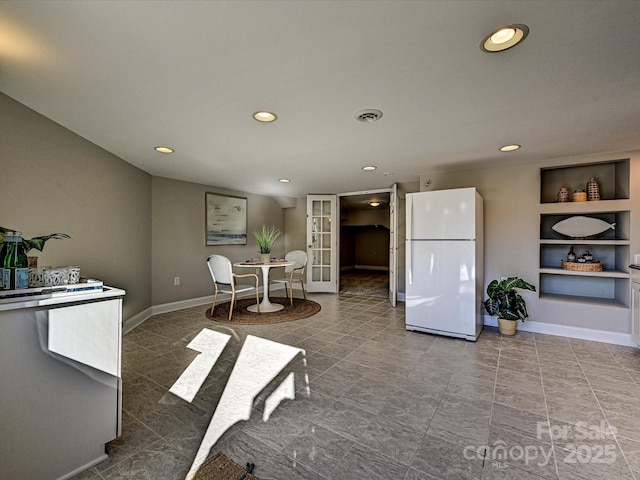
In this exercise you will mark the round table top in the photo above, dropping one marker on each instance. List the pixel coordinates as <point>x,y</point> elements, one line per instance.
<point>257,263</point>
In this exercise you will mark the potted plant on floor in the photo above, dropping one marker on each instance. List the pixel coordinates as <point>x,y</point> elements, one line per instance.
<point>266,238</point>
<point>507,304</point>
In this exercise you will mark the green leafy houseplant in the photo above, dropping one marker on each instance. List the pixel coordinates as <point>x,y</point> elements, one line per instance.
<point>35,242</point>
<point>266,238</point>
<point>505,302</point>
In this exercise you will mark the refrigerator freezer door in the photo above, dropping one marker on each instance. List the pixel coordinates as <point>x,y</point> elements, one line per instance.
<point>442,215</point>
<point>441,288</point>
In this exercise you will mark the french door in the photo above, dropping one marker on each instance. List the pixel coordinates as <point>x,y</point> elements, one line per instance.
<point>393,245</point>
<point>322,225</point>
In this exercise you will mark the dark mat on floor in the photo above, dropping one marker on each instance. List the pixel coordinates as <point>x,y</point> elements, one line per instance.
<point>301,308</point>
<point>221,467</point>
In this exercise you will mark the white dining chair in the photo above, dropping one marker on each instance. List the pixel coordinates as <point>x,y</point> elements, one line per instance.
<point>224,281</point>
<point>293,273</point>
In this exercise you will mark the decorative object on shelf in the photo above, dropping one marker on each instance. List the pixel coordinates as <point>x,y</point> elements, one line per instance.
<point>35,242</point>
<point>579,195</point>
<point>56,277</point>
<point>507,304</point>
<point>588,257</point>
<point>581,227</point>
<point>14,264</point>
<point>266,238</point>
<point>593,190</point>
<point>563,195</point>
<point>582,267</point>
<point>571,256</point>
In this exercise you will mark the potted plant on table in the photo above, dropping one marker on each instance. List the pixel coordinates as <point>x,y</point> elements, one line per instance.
<point>507,304</point>
<point>35,242</point>
<point>266,238</point>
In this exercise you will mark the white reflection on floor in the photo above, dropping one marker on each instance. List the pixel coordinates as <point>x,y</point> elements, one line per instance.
<point>210,344</point>
<point>258,363</point>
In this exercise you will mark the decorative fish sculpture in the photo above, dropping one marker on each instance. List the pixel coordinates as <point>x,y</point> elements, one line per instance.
<point>580,227</point>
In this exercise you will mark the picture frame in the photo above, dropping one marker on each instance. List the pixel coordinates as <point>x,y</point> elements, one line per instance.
<point>225,219</point>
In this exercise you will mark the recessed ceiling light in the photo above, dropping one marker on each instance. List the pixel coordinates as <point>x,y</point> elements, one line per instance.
<point>504,38</point>
<point>284,180</point>
<point>163,149</point>
<point>375,204</point>
<point>369,168</point>
<point>264,116</point>
<point>510,148</point>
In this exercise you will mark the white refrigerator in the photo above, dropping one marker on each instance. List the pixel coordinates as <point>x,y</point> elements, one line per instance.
<point>444,262</point>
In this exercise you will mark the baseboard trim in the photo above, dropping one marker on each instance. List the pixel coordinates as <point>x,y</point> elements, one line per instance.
<point>143,316</point>
<point>615,338</point>
<point>136,320</point>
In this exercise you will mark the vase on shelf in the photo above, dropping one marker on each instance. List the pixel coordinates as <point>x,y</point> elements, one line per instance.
<point>563,195</point>
<point>593,190</point>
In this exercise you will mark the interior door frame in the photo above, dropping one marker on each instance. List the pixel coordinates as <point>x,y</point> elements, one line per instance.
<point>393,238</point>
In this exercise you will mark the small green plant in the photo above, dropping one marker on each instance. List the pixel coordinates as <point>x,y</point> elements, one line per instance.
<point>266,238</point>
<point>35,242</point>
<point>504,301</point>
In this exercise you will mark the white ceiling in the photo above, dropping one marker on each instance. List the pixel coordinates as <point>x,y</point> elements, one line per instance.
<point>130,75</point>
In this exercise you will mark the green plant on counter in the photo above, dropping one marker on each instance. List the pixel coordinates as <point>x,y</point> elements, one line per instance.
<point>505,302</point>
<point>35,242</point>
<point>266,238</point>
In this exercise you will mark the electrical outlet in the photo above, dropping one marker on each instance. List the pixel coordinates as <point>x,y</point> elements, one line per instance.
<point>176,280</point>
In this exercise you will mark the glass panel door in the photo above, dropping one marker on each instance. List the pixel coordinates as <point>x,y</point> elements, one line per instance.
<point>321,242</point>
<point>393,246</point>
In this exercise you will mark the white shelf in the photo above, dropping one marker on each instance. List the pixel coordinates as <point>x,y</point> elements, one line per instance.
<point>578,241</point>
<point>610,287</point>
<point>571,208</point>
<point>605,274</point>
<point>584,300</point>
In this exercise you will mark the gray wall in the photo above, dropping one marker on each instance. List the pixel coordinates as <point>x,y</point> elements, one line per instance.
<point>512,232</point>
<point>137,232</point>
<point>55,181</point>
<point>178,237</point>
<point>296,225</point>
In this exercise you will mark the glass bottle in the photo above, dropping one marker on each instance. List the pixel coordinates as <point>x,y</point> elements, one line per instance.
<point>571,256</point>
<point>3,253</point>
<point>15,264</point>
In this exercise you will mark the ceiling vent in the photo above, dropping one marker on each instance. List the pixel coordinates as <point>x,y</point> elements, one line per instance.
<point>368,116</point>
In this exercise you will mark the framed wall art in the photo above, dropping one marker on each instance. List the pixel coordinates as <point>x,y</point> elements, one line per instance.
<point>226,219</point>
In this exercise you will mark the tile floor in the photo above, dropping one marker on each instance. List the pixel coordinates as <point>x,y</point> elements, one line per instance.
<point>370,283</point>
<point>374,401</point>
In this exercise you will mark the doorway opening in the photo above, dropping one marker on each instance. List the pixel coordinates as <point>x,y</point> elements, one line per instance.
<point>364,244</point>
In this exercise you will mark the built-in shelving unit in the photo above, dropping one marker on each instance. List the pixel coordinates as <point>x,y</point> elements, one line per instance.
<point>611,286</point>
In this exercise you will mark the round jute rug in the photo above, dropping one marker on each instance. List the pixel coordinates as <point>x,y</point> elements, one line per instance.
<point>300,309</point>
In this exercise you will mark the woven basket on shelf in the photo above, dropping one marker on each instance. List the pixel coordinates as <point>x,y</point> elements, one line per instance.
<point>582,267</point>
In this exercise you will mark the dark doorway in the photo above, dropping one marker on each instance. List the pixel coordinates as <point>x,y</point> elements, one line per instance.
<point>364,245</point>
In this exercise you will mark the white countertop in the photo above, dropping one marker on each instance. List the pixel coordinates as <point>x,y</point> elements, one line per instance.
<point>44,297</point>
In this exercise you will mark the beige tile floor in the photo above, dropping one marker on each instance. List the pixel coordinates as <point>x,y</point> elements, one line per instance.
<point>373,401</point>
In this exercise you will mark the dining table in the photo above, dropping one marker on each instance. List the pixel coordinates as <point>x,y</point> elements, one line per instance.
<point>265,305</point>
